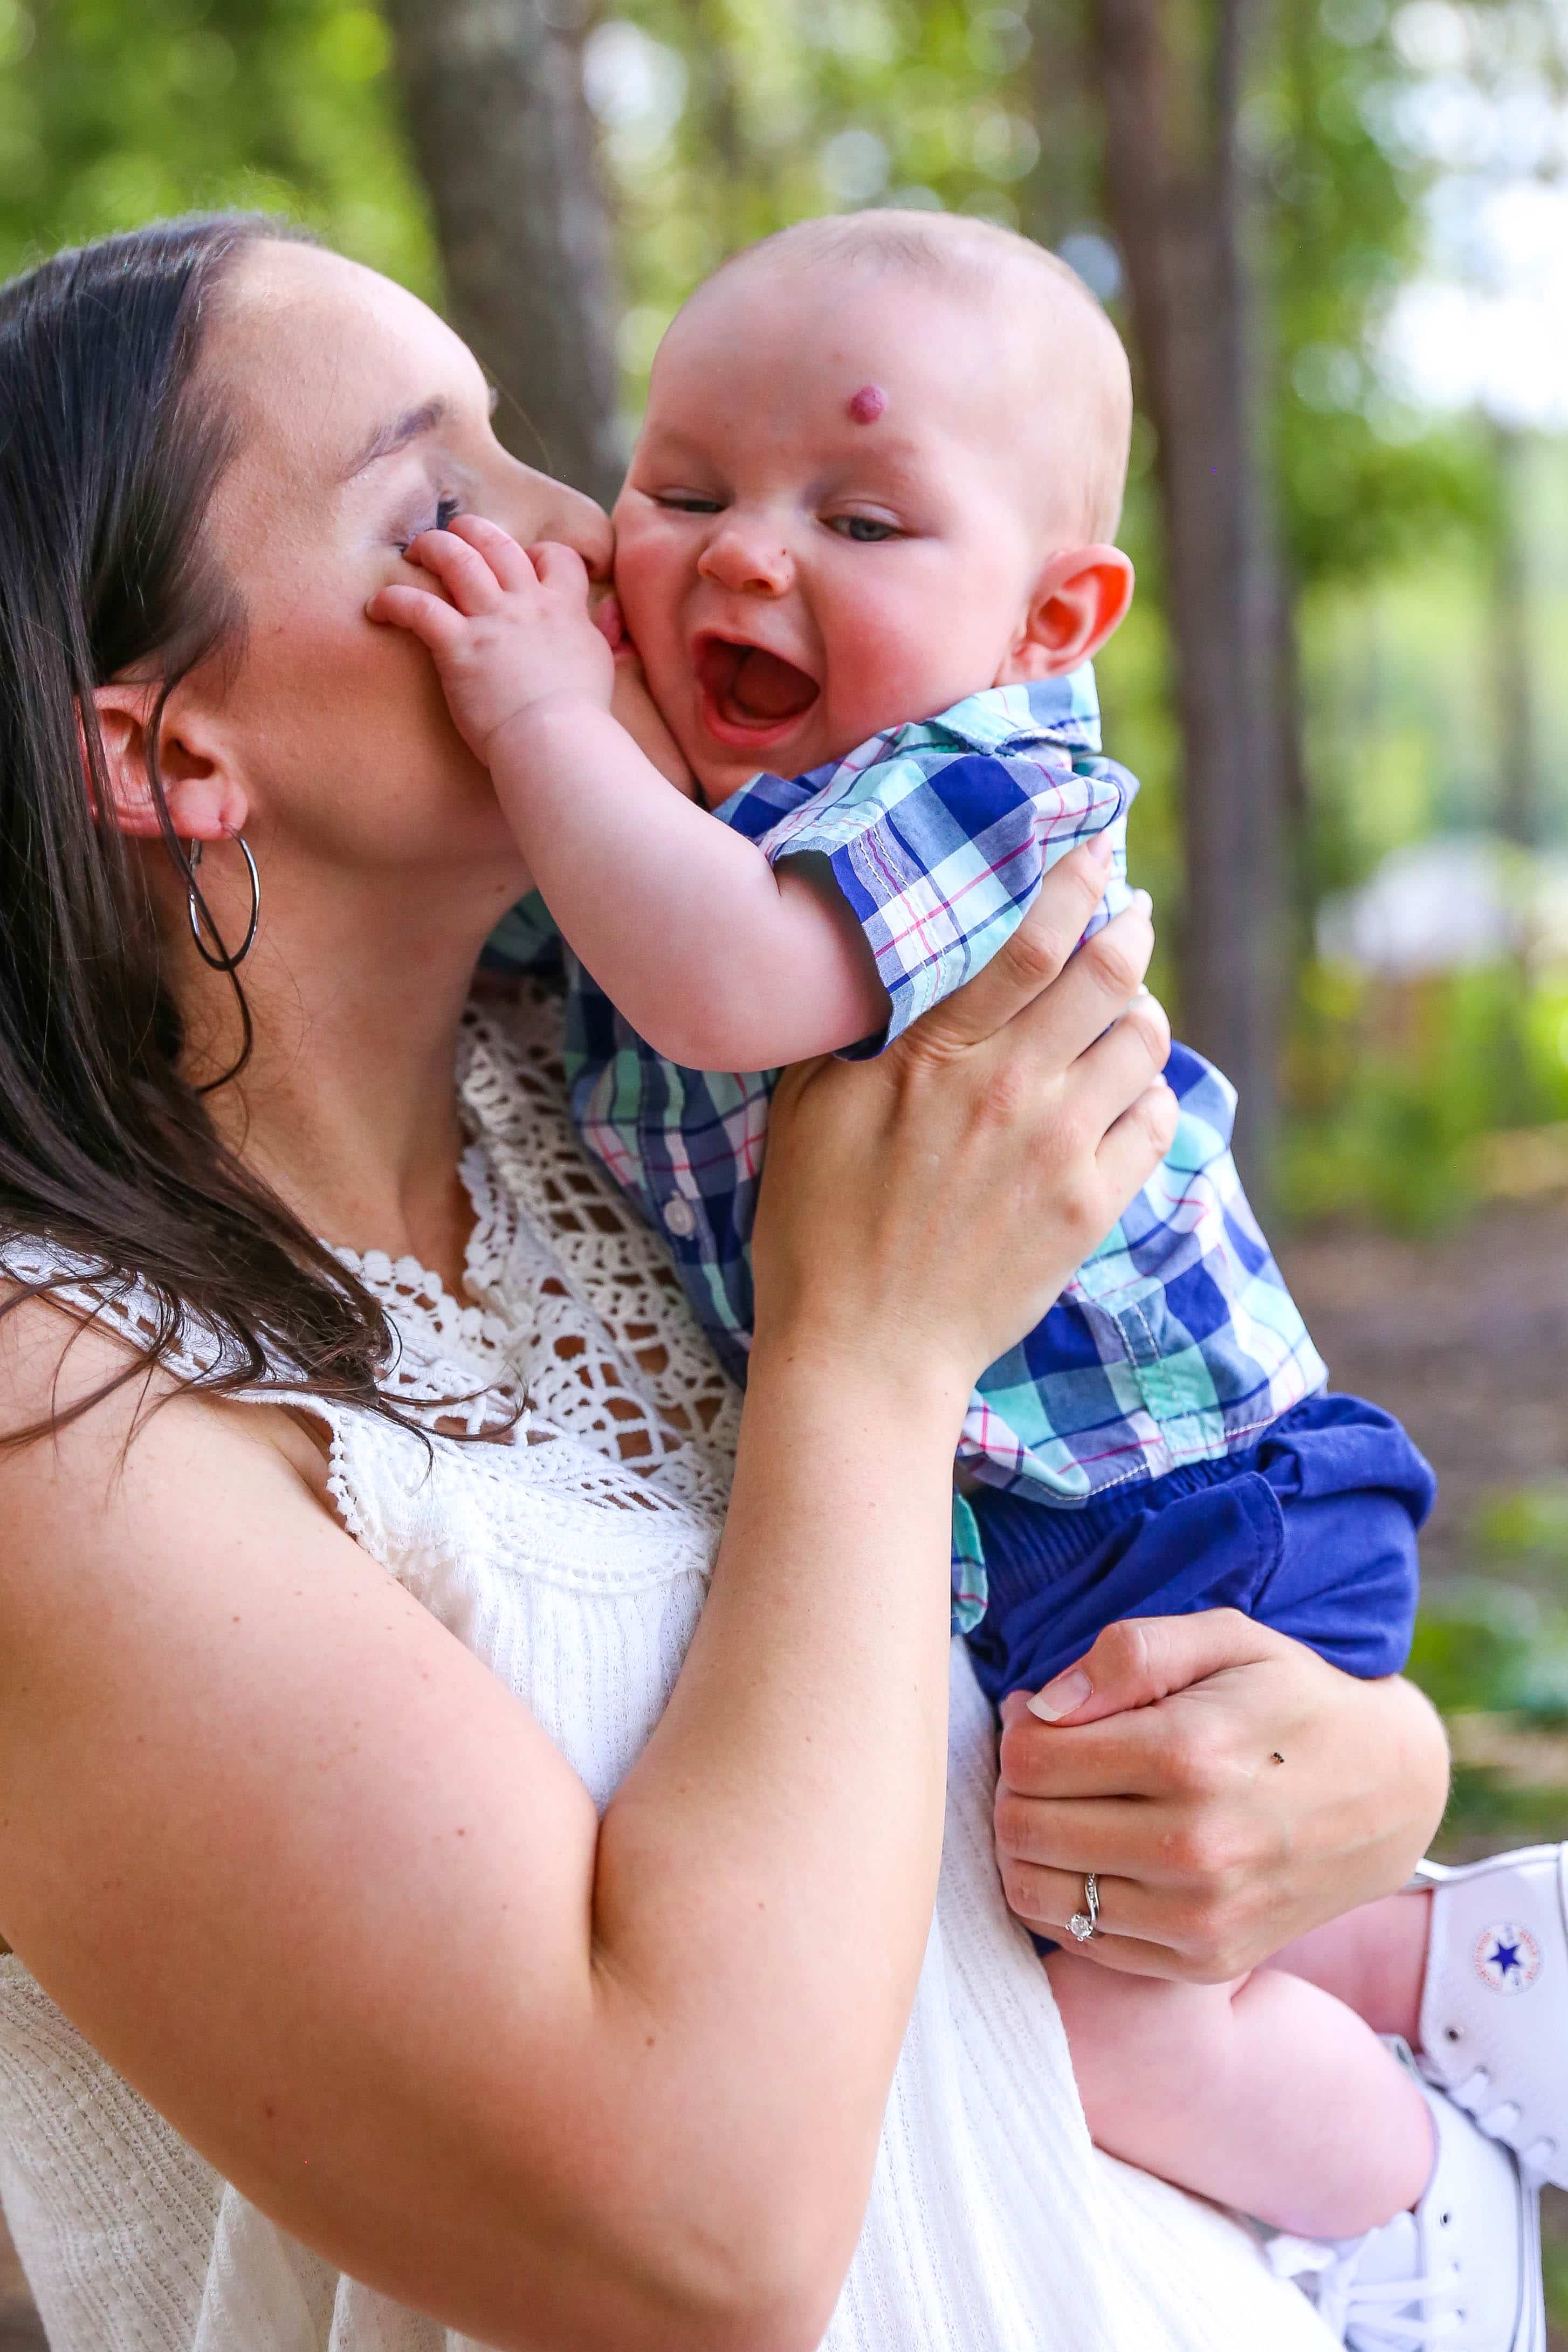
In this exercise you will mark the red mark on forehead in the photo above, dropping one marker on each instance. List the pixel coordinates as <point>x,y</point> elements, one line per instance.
<point>867,404</point>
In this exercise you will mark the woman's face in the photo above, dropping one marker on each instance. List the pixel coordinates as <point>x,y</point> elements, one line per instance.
<point>363,421</point>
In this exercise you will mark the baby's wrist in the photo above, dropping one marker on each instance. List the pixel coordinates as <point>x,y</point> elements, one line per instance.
<point>538,729</point>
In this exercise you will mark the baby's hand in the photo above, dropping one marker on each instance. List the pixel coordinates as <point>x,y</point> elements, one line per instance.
<point>516,634</point>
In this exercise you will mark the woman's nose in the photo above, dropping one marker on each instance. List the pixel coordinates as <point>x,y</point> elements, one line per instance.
<point>581,522</point>
<point>540,507</point>
<point>739,558</point>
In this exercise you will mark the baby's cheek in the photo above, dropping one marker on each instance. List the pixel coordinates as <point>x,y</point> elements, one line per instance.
<point>884,666</point>
<point>649,615</point>
<point>646,577</point>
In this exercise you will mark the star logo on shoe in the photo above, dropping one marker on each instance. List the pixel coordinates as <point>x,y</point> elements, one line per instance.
<point>1508,1957</point>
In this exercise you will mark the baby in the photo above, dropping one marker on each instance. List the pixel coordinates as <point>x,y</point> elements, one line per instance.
<point>865,558</point>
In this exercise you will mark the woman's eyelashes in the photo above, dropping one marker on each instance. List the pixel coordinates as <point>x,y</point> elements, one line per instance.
<point>447,509</point>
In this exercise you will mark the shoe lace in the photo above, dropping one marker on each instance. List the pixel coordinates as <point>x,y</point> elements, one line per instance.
<point>1503,2122</point>
<point>1368,2315</point>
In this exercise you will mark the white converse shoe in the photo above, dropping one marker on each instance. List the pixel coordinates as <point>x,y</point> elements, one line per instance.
<point>1494,2015</point>
<point>1462,2272</point>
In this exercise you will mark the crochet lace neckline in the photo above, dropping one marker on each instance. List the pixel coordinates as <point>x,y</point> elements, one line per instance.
<point>574,1326</point>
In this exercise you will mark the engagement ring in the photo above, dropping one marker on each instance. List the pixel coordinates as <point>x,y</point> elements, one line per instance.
<point>1083,1923</point>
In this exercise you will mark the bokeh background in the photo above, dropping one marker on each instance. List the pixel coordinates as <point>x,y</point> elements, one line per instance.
<point>1334,234</point>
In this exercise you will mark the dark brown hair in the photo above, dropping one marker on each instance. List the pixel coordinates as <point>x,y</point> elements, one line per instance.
<point>110,452</point>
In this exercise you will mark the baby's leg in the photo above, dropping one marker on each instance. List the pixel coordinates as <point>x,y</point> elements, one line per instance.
<point>1372,1958</point>
<point>1267,2095</point>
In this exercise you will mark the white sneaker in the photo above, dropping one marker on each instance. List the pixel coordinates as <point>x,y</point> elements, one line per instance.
<point>1494,2014</point>
<point>1463,2271</point>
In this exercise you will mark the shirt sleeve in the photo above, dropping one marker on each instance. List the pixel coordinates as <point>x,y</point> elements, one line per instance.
<point>940,853</point>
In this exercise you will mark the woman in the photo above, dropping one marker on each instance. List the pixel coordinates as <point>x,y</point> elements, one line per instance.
<point>572,1980</point>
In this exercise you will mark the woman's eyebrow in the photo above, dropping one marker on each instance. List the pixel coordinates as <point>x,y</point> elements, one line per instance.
<point>397,431</point>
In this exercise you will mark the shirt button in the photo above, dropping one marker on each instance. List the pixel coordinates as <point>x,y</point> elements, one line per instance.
<point>680,1217</point>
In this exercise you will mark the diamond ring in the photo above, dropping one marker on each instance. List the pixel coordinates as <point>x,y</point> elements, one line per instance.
<point>1083,1923</point>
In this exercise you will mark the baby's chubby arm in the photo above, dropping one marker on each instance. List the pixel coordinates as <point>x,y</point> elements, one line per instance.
<point>720,962</point>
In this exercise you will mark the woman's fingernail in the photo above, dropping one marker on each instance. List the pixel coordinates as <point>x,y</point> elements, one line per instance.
<point>1059,1698</point>
<point>1143,902</point>
<point>1102,849</point>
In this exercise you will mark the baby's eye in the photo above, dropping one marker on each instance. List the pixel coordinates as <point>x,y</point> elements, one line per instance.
<point>689,502</point>
<point>864,528</point>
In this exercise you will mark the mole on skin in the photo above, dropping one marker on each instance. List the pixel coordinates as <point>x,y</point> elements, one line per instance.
<point>867,404</point>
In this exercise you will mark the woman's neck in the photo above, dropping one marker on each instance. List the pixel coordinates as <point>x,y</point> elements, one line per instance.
<point>347,1106</point>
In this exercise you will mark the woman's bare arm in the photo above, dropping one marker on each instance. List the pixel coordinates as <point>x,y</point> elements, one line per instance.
<point>316,1883</point>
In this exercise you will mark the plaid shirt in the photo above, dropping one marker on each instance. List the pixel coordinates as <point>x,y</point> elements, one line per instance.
<point>1177,1340</point>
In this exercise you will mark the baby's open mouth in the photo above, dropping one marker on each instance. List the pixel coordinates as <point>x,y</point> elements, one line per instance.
<point>746,686</point>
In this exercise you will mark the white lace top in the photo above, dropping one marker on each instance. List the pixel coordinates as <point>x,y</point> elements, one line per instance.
<point>572,1561</point>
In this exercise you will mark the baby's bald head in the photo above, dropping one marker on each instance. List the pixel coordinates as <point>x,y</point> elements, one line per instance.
<point>1062,391</point>
<point>883,459</point>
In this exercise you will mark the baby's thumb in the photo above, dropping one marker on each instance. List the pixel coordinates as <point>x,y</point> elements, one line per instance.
<point>1146,1658</point>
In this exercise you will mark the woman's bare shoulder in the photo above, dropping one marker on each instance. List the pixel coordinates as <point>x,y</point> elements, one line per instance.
<point>78,1397</point>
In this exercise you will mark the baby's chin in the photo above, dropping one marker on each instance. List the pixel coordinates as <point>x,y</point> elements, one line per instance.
<point>722,765</point>
<point>723,770</point>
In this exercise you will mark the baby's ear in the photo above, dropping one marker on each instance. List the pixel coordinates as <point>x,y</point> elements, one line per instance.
<point>1078,602</point>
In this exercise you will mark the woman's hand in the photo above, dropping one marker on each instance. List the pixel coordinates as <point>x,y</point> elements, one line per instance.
<point>927,1206</point>
<point>1234,1793</point>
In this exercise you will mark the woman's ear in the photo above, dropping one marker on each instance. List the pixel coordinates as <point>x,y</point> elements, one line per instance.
<point>205,801</point>
<point>1080,600</point>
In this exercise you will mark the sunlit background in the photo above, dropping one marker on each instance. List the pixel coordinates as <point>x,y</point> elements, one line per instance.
<point>1398,205</point>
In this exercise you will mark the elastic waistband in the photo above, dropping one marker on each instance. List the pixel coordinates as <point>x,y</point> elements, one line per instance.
<point>1329,1444</point>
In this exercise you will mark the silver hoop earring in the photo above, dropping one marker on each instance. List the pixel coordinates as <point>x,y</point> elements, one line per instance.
<point>195,908</point>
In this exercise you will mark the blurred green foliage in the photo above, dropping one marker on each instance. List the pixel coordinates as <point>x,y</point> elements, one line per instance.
<point>113,111</point>
<point>1488,1647</point>
<point>1391,1086</point>
<point>1360,484</point>
<point>1527,1525</point>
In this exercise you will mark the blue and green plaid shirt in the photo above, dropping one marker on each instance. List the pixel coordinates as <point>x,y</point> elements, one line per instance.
<point>1177,1340</point>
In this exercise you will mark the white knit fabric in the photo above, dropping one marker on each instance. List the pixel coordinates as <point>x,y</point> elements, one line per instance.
<point>572,1561</point>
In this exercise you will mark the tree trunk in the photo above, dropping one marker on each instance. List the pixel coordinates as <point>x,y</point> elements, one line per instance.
<point>1064,190</point>
<point>1171,73</point>
<point>504,140</point>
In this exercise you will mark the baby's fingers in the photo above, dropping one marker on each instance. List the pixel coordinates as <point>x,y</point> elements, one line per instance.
<point>509,562</point>
<point>467,574</point>
<point>560,567</point>
<point>429,618</point>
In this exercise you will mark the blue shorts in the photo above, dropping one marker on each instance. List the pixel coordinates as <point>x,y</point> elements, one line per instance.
<point>1312,1530</point>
